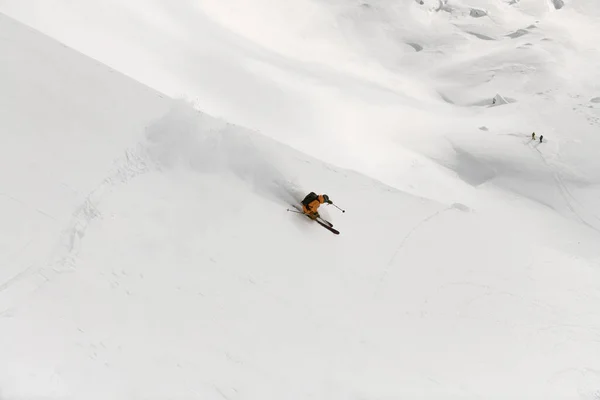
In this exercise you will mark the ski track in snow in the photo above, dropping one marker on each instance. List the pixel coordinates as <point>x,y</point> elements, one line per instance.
<point>392,259</point>
<point>41,212</point>
<point>132,165</point>
<point>567,195</point>
<point>65,253</point>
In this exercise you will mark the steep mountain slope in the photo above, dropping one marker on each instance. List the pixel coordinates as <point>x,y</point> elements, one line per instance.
<point>151,255</point>
<point>57,143</point>
<point>399,90</point>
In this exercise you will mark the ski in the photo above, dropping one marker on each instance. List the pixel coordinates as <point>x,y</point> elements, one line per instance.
<point>329,228</point>
<point>324,223</point>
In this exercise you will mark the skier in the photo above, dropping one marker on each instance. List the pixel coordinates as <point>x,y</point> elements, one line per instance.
<point>312,202</point>
<point>541,138</point>
<point>533,136</point>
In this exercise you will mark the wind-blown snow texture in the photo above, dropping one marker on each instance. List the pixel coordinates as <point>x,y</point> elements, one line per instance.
<point>145,247</point>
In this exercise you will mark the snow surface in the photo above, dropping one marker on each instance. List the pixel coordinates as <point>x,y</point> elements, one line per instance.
<point>145,246</point>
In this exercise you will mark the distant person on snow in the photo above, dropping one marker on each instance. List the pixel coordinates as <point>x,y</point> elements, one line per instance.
<point>312,202</point>
<point>533,136</point>
<point>541,138</point>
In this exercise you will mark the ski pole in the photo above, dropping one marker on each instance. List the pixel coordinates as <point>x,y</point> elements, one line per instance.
<point>296,211</point>
<point>339,208</point>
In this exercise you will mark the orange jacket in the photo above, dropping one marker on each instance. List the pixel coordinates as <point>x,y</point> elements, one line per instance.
<point>313,206</point>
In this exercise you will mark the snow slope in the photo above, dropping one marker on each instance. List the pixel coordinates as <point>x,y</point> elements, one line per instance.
<point>147,253</point>
<point>56,146</point>
<point>394,89</point>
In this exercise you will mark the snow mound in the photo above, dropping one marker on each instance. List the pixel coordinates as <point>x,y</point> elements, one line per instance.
<point>480,35</point>
<point>499,100</point>
<point>416,46</point>
<point>558,4</point>
<point>477,13</point>
<point>518,33</point>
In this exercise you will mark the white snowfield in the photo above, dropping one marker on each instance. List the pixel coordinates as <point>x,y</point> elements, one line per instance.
<point>145,247</point>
